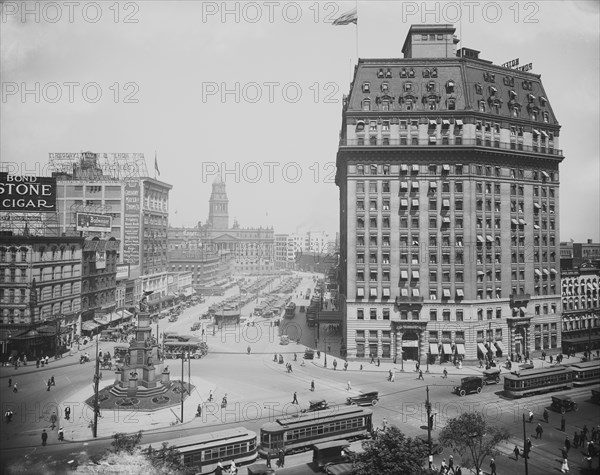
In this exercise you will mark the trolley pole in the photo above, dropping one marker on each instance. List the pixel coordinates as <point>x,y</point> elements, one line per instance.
<point>182,383</point>
<point>525,454</point>
<point>428,407</point>
<point>96,383</point>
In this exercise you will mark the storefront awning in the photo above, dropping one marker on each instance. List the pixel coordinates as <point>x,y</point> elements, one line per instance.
<point>482,348</point>
<point>460,349</point>
<point>493,347</point>
<point>447,348</point>
<point>89,326</point>
<point>501,346</point>
<point>433,349</point>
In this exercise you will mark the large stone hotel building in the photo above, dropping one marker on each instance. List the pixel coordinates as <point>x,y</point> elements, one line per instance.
<point>448,170</point>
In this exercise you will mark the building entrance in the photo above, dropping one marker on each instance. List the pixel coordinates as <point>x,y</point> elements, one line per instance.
<point>410,346</point>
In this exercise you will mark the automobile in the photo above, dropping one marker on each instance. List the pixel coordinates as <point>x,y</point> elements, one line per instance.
<point>469,384</point>
<point>364,399</point>
<point>316,405</point>
<point>491,376</point>
<point>260,469</point>
<point>309,354</point>
<point>563,404</point>
<point>195,326</point>
<point>284,340</point>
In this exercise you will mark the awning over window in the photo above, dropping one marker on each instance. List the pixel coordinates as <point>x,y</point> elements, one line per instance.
<point>386,292</point>
<point>480,272</point>
<point>536,205</point>
<point>373,292</point>
<point>490,238</point>
<point>445,122</point>
<point>459,122</point>
<point>590,286</point>
<point>415,274</point>
<point>433,349</point>
<point>514,221</point>
<point>537,272</point>
<point>403,185</point>
<point>493,347</point>
<point>523,309</point>
<point>416,292</point>
<point>554,271</point>
<point>480,238</point>
<point>446,203</point>
<point>446,293</point>
<point>89,325</point>
<point>446,219</point>
<point>432,122</point>
<point>544,133</point>
<point>460,349</point>
<point>404,274</point>
<point>432,184</point>
<point>404,202</point>
<point>415,203</point>
<point>460,292</point>
<point>415,168</point>
<point>432,138</point>
<point>535,226</point>
<point>501,346</point>
<point>447,348</point>
<point>522,221</point>
<point>545,175</point>
<point>482,348</point>
<point>404,167</point>
<point>360,292</point>
<point>415,185</point>
<point>404,292</point>
<point>546,271</point>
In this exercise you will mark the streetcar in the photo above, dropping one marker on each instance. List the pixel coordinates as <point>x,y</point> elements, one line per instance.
<point>204,451</point>
<point>301,432</point>
<point>586,373</point>
<point>195,349</point>
<point>290,310</point>
<point>536,381</point>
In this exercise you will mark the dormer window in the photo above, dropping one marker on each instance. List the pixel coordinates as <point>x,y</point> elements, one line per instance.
<point>516,110</point>
<point>366,104</point>
<point>366,87</point>
<point>385,105</point>
<point>431,104</point>
<point>403,73</point>
<point>451,104</point>
<point>430,86</point>
<point>530,98</point>
<point>493,90</point>
<point>385,126</point>
<point>408,105</point>
<point>546,117</point>
<point>360,126</point>
<point>407,87</point>
<point>385,87</point>
<point>411,73</point>
<point>527,85</point>
<point>512,95</point>
<point>478,88</point>
<point>373,126</point>
<point>388,73</point>
<point>426,73</point>
<point>380,73</point>
<point>481,106</point>
<point>543,101</point>
<point>434,73</point>
<point>450,87</point>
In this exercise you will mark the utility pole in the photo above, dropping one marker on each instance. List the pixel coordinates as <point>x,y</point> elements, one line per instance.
<point>428,407</point>
<point>525,454</point>
<point>96,402</point>
<point>182,383</point>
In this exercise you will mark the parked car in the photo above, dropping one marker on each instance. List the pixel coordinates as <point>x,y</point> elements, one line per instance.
<point>469,384</point>
<point>284,340</point>
<point>259,469</point>
<point>316,405</point>
<point>563,404</point>
<point>365,399</point>
<point>309,354</point>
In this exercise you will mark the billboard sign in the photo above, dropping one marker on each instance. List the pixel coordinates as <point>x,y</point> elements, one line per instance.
<point>122,271</point>
<point>94,222</point>
<point>31,194</point>
<point>131,241</point>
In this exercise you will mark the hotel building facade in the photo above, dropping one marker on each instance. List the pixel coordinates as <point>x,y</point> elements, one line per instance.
<point>448,170</point>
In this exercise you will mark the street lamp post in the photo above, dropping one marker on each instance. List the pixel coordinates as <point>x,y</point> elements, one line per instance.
<point>96,395</point>
<point>428,358</point>
<point>428,407</point>
<point>325,351</point>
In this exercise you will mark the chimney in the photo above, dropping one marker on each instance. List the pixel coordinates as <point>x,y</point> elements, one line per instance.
<point>589,241</point>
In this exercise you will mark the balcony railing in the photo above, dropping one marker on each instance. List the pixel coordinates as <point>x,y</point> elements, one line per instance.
<point>519,298</point>
<point>470,142</point>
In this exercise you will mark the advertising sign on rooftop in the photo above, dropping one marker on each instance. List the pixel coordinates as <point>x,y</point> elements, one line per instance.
<point>22,193</point>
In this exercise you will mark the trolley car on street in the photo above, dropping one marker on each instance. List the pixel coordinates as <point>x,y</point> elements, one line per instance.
<point>204,451</point>
<point>290,310</point>
<point>586,373</point>
<point>536,381</point>
<point>301,432</point>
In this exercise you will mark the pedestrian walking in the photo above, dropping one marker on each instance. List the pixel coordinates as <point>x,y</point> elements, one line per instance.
<point>567,444</point>
<point>528,446</point>
<point>576,439</point>
<point>281,458</point>
<point>585,431</point>
<point>451,464</point>
<point>44,437</point>
<point>565,466</point>
<point>445,376</point>
<point>49,384</point>
<point>61,434</point>
<point>9,382</point>
<point>378,362</point>
<point>530,416</point>
<point>15,388</point>
<point>384,423</point>
<point>268,459</point>
<point>516,451</point>
<point>248,349</point>
<point>417,366</point>
<point>219,469</point>
<point>546,416</point>
<point>493,467</point>
<point>233,470</point>
<point>67,413</point>
<point>539,431</point>
<point>334,365</point>
<point>564,453</point>
<point>421,375</point>
<point>312,385</point>
<point>345,365</point>
<point>563,423</point>
<point>295,400</point>
<point>349,387</point>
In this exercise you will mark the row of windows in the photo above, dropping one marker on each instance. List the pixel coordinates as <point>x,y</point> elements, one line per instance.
<point>327,428</point>
<point>225,452</point>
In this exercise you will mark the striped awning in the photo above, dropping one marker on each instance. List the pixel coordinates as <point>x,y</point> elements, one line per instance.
<point>447,348</point>
<point>433,349</point>
<point>460,349</point>
<point>482,348</point>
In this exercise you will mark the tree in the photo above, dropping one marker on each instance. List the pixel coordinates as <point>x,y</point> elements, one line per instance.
<point>471,434</point>
<point>125,442</point>
<point>390,452</point>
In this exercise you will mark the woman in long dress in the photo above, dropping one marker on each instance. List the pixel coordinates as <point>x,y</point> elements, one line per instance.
<point>565,466</point>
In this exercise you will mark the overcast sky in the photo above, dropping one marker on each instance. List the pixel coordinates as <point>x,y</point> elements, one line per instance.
<point>162,68</point>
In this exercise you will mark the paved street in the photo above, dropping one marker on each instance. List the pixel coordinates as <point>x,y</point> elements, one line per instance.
<point>260,389</point>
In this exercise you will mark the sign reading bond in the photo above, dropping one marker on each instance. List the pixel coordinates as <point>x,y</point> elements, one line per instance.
<point>93,222</point>
<point>27,193</point>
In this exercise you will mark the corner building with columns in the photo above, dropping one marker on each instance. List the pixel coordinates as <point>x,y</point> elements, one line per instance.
<point>448,171</point>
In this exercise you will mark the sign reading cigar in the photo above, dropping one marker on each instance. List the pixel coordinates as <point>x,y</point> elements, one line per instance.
<point>27,193</point>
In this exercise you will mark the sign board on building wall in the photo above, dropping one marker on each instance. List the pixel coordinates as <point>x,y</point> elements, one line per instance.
<point>122,271</point>
<point>94,222</point>
<point>22,193</point>
<point>131,221</point>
